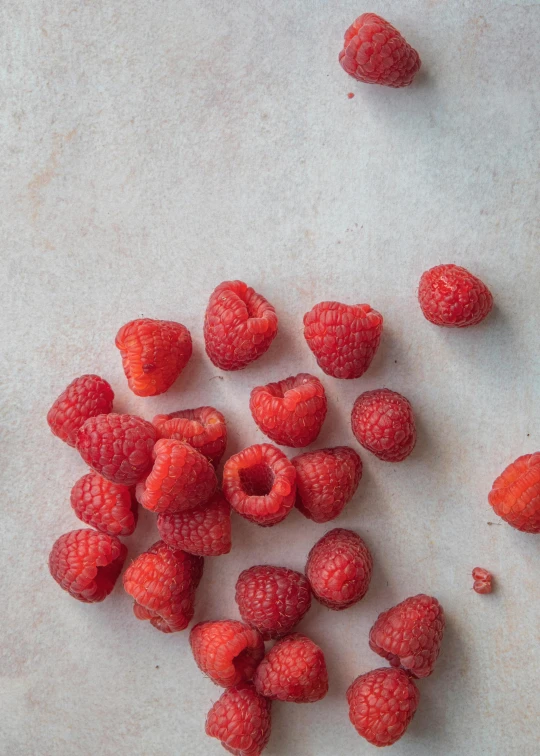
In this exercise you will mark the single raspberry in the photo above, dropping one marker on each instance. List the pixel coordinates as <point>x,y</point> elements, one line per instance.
<point>410,634</point>
<point>376,53</point>
<point>326,480</point>
<point>343,338</point>
<point>205,531</point>
<point>290,412</point>
<point>515,495</point>
<point>382,704</point>
<point>451,296</point>
<point>241,720</point>
<point>104,505</point>
<point>86,563</point>
<point>85,397</point>
<point>293,670</point>
<point>227,651</point>
<point>383,423</point>
<point>163,582</point>
<point>203,428</point>
<point>239,325</point>
<point>482,580</point>
<point>154,353</point>
<point>260,484</point>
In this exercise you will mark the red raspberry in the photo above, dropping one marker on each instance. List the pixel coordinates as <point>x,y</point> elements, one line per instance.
<point>376,53</point>
<point>383,423</point>
<point>339,569</point>
<point>104,505</point>
<point>290,412</point>
<point>154,353</point>
<point>482,580</point>
<point>410,634</point>
<point>382,704</point>
<point>86,564</point>
<point>272,599</point>
<point>241,720</point>
<point>451,296</point>
<point>205,531</point>
<point>227,651</point>
<point>343,338</point>
<point>239,325</point>
<point>293,670</point>
<point>85,397</point>
<point>163,582</point>
<point>259,484</point>
<point>326,480</point>
<point>203,428</point>
<point>515,495</point>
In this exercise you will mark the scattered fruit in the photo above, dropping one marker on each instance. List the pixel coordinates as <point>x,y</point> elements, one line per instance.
<point>241,720</point>
<point>205,530</point>
<point>383,423</point>
<point>227,651</point>
<point>450,296</point>
<point>85,397</point>
<point>293,670</point>
<point>482,580</point>
<point>106,506</point>
<point>202,428</point>
<point>515,495</point>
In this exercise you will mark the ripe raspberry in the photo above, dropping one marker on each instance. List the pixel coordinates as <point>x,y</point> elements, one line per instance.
<point>203,428</point>
<point>410,634</point>
<point>272,599</point>
<point>326,480</point>
<point>227,651</point>
<point>339,569</point>
<point>376,53</point>
<point>383,423</point>
<point>290,412</point>
<point>293,670</point>
<point>239,325</point>
<point>85,397</point>
<point>382,704</point>
<point>260,484</point>
<point>154,353</point>
<point>482,580</point>
<point>205,531</point>
<point>163,582</point>
<point>86,564</point>
<point>343,338</point>
<point>104,505</point>
<point>241,720</point>
<point>515,495</point>
<point>451,296</point>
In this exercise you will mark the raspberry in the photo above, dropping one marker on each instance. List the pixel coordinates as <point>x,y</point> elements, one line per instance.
<point>154,353</point>
<point>118,447</point>
<point>339,569</point>
<point>294,670</point>
<point>163,582</point>
<point>376,53</point>
<point>383,423</point>
<point>86,564</point>
<point>343,338</point>
<point>104,505</point>
<point>239,325</point>
<point>290,412</point>
<point>451,296</point>
<point>326,480</point>
<point>515,495</point>
<point>202,428</point>
<point>205,531</point>
<point>382,704</point>
<point>482,580</point>
<point>227,651</point>
<point>272,599</point>
<point>85,397</point>
<point>410,634</point>
<point>259,484</point>
<point>241,720</point>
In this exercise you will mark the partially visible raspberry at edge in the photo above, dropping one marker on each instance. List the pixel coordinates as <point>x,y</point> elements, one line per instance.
<point>227,651</point>
<point>383,423</point>
<point>241,720</point>
<point>106,506</point>
<point>452,297</point>
<point>515,494</point>
<point>85,397</point>
<point>205,530</point>
<point>202,428</point>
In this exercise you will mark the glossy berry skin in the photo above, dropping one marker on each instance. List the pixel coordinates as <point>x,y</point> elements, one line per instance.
<point>239,325</point>
<point>272,599</point>
<point>154,353</point>
<point>452,297</point>
<point>293,670</point>
<point>241,720</point>
<point>227,651</point>
<point>290,412</point>
<point>202,428</point>
<point>205,530</point>
<point>85,397</point>
<point>343,338</point>
<point>105,506</point>
<point>86,564</point>
<point>515,495</point>
<point>383,423</point>
<point>482,580</point>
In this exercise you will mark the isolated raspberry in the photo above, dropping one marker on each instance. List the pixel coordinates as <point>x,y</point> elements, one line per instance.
<point>410,634</point>
<point>86,564</point>
<point>154,353</point>
<point>290,412</point>
<point>326,480</point>
<point>163,582</point>
<point>239,325</point>
<point>85,397</point>
<point>515,495</point>
<point>260,484</point>
<point>104,505</point>
<point>343,338</point>
<point>339,568</point>
<point>272,599</point>
<point>376,53</point>
<point>202,428</point>
<point>383,423</point>
<point>241,720</point>
<point>205,530</point>
<point>293,670</point>
<point>227,651</point>
<point>451,296</point>
<point>482,580</point>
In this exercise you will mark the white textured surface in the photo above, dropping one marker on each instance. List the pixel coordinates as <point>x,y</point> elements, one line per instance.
<point>152,149</point>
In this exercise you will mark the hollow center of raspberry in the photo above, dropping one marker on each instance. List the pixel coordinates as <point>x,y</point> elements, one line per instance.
<point>257,480</point>
<point>243,663</point>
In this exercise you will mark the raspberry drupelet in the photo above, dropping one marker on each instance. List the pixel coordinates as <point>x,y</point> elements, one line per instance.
<point>86,396</point>
<point>203,428</point>
<point>482,580</point>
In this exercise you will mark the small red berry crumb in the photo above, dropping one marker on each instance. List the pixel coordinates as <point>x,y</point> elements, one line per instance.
<point>383,423</point>
<point>205,530</point>
<point>104,505</point>
<point>202,428</point>
<point>85,397</point>
<point>241,720</point>
<point>450,296</point>
<point>350,95</point>
<point>293,670</point>
<point>227,651</point>
<point>515,495</point>
<point>482,580</point>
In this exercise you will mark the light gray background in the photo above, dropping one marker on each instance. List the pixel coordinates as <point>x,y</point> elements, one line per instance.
<point>151,150</point>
